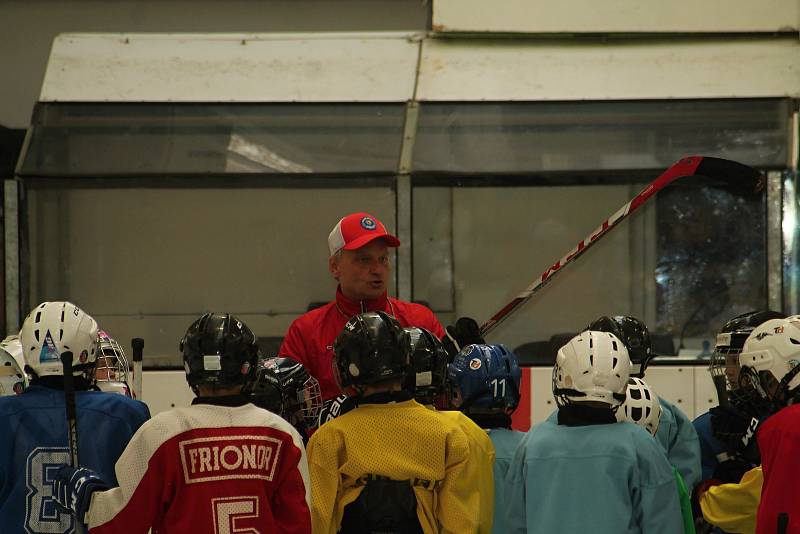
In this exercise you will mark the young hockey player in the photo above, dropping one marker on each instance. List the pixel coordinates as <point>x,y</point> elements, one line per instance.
<point>729,428</point>
<point>428,383</point>
<point>675,433</point>
<point>642,407</point>
<point>587,472</point>
<point>111,369</point>
<point>220,465</point>
<point>283,386</point>
<point>727,432</point>
<point>770,365</point>
<point>485,386</point>
<point>430,374</point>
<point>33,425</point>
<point>390,464</point>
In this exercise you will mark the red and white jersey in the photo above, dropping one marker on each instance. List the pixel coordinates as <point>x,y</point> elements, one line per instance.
<point>208,469</point>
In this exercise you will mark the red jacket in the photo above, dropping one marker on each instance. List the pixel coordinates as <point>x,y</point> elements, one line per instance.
<point>310,337</point>
<point>779,443</point>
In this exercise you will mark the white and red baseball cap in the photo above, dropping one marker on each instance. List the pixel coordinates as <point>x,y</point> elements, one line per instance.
<point>356,230</point>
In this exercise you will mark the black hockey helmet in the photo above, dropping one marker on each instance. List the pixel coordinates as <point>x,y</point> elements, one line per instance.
<point>282,385</point>
<point>428,375</point>
<point>634,335</point>
<point>371,348</point>
<point>265,390</point>
<point>740,327</point>
<point>218,349</point>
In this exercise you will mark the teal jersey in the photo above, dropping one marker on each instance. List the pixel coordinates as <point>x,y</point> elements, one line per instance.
<point>678,437</point>
<point>605,479</point>
<point>505,443</point>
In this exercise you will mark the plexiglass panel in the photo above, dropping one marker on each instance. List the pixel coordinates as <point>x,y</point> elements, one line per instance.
<point>520,137</point>
<point>711,262</point>
<point>685,262</point>
<point>147,262</point>
<point>135,139</point>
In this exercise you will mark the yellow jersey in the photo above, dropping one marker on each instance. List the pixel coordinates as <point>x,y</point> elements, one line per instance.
<point>732,507</point>
<point>481,467</point>
<point>401,441</point>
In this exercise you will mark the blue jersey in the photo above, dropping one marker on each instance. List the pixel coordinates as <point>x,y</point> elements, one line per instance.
<point>505,443</point>
<point>33,441</point>
<point>605,479</point>
<point>679,438</point>
<point>710,446</point>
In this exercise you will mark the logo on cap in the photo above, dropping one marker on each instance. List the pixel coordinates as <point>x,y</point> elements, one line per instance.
<point>475,364</point>
<point>368,223</point>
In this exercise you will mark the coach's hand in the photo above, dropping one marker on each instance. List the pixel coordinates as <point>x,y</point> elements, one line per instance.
<point>465,332</point>
<point>73,488</point>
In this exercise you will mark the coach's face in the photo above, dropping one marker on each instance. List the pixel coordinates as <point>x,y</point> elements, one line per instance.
<point>362,273</point>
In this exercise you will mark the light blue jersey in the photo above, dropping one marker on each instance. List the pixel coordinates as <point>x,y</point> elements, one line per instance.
<point>505,443</point>
<point>604,479</point>
<point>33,442</point>
<point>679,438</point>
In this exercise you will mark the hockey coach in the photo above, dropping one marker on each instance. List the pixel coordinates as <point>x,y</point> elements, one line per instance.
<point>360,262</point>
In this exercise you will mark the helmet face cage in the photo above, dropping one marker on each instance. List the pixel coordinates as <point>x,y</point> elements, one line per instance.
<point>300,396</point>
<point>486,378</point>
<point>12,379</point>
<point>111,364</point>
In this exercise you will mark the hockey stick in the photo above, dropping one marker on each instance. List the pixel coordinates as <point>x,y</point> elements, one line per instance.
<point>138,347</point>
<point>72,419</point>
<point>69,402</point>
<point>744,178</point>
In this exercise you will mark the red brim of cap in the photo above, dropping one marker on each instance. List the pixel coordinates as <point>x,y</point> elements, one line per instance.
<point>360,241</point>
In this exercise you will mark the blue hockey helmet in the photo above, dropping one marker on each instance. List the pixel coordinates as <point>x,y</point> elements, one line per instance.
<point>485,378</point>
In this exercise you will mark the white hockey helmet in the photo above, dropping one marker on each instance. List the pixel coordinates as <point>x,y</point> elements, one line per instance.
<point>53,328</point>
<point>641,406</point>
<point>12,378</point>
<point>592,366</point>
<point>774,347</point>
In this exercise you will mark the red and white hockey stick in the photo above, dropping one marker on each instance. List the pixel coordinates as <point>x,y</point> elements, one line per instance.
<point>742,177</point>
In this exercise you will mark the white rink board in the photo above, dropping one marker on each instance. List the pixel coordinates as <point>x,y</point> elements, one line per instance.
<point>164,390</point>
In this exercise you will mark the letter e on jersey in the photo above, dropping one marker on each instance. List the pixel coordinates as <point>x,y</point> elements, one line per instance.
<point>229,457</point>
